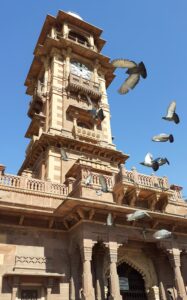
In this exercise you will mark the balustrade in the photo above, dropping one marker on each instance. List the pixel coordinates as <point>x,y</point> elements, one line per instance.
<point>32,184</point>
<point>87,133</point>
<point>142,179</point>
<point>88,86</point>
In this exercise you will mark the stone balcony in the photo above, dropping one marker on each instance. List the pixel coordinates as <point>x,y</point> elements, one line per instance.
<point>87,134</point>
<point>78,83</point>
<point>11,182</point>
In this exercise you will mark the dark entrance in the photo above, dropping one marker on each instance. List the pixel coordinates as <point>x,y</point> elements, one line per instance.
<point>29,295</point>
<point>131,283</point>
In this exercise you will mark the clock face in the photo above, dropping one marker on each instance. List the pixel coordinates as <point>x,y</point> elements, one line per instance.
<point>80,69</point>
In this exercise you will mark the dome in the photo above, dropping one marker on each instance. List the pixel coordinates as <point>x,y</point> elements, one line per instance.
<point>74,15</point>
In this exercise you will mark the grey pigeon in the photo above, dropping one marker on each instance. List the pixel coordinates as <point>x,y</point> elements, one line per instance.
<point>149,162</point>
<point>171,114</point>
<point>89,179</point>
<point>63,154</point>
<point>134,71</point>
<point>163,137</point>
<point>154,163</point>
<point>103,183</point>
<point>138,214</point>
<point>97,114</point>
<point>99,192</point>
<point>162,234</point>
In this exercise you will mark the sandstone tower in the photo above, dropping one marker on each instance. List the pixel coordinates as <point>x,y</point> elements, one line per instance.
<point>62,235</point>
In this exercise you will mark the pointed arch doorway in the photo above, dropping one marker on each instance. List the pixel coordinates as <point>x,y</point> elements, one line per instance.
<point>132,285</point>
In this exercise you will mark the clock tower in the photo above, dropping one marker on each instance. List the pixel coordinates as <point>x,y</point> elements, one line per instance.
<point>69,109</point>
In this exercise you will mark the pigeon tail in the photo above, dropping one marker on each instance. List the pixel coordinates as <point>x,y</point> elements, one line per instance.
<point>167,161</point>
<point>171,138</point>
<point>176,118</point>
<point>143,71</point>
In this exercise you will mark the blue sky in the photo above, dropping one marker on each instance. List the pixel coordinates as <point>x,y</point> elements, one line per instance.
<point>151,31</point>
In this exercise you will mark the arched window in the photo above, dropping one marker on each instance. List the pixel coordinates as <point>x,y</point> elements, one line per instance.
<point>74,36</point>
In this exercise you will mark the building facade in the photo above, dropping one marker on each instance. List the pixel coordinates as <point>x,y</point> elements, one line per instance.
<point>62,235</point>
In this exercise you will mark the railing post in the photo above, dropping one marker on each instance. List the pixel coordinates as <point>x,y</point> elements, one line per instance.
<point>2,169</point>
<point>135,175</point>
<point>48,186</point>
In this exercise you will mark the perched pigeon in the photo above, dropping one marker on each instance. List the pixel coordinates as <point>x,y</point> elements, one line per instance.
<point>89,179</point>
<point>99,192</point>
<point>138,214</point>
<point>109,220</point>
<point>154,163</point>
<point>103,183</point>
<point>63,154</point>
<point>171,114</point>
<point>163,137</point>
<point>162,234</point>
<point>134,71</point>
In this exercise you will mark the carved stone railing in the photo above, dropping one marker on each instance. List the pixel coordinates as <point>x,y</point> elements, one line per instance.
<point>78,83</point>
<point>31,184</point>
<point>143,180</point>
<point>87,133</point>
<point>32,262</point>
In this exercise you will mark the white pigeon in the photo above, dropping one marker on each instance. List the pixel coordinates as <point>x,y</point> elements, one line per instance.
<point>163,137</point>
<point>171,114</point>
<point>109,220</point>
<point>162,234</point>
<point>137,215</point>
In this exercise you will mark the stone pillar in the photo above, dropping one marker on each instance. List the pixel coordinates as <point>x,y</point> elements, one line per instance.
<point>87,283</point>
<point>114,279</point>
<point>174,257</point>
<point>160,261</point>
<point>67,54</point>
<point>74,275</point>
<point>15,285</point>
<point>99,284</point>
<point>49,288</point>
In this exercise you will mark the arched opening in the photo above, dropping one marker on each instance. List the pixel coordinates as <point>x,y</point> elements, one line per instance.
<point>132,284</point>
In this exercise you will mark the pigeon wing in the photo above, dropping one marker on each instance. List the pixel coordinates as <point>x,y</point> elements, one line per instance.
<point>171,109</point>
<point>89,100</point>
<point>123,63</point>
<point>103,183</point>
<point>129,83</point>
<point>63,154</point>
<point>148,158</point>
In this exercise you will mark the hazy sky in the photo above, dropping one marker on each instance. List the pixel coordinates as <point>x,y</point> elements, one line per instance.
<point>151,31</point>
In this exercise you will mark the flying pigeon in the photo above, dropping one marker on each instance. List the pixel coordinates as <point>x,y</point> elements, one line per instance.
<point>109,220</point>
<point>97,115</point>
<point>154,163</point>
<point>103,183</point>
<point>134,71</point>
<point>171,114</point>
<point>162,234</point>
<point>138,214</point>
<point>149,162</point>
<point>89,179</point>
<point>163,137</point>
<point>63,154</point>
